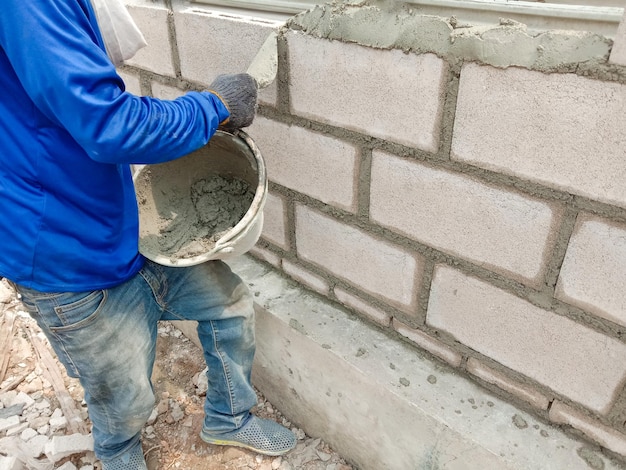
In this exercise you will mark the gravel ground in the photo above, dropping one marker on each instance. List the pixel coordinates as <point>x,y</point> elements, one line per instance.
<point>44,423</point>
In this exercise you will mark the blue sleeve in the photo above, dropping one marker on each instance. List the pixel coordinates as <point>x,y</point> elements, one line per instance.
<point>57,53</point>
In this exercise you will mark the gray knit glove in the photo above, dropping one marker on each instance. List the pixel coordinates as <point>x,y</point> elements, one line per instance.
<point>238,92</point>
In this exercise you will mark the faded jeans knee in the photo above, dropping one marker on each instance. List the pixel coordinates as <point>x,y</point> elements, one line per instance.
<point>105,338</point>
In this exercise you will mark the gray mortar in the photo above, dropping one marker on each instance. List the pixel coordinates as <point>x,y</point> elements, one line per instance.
<point>192,223</point>
<point>397,26</point>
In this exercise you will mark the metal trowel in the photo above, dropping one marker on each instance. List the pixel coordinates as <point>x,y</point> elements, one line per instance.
<point>264,66</point>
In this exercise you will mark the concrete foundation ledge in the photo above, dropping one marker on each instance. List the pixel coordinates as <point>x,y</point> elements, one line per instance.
<point>379,402</point>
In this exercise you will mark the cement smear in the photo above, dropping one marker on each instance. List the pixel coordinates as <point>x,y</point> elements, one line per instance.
<point>397,26</point>
<point>191,223</point>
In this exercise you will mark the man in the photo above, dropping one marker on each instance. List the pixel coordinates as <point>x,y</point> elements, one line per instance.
<point>69,228</point>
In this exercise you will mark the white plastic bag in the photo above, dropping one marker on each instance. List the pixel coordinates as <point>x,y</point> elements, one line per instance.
<point>121,35</point>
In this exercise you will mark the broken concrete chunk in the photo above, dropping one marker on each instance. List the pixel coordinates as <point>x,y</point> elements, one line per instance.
<point>7,397</point>
<point>13,410</point>
<point>57,423</point>
<point>67,466</point>
<point>8,423</point>
<point>62,446</point>
<point>28,434</point>
<point>153,417</point>
<point>17,429</point>
<point>37,445</point>
<point>177,412</point>
<point>10,463</point>
<point>24,399</point>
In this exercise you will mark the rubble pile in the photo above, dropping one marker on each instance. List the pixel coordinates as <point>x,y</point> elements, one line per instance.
<point>44,423</point>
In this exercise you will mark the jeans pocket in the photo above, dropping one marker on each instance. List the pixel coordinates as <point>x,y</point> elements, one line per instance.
<point>67,311</point>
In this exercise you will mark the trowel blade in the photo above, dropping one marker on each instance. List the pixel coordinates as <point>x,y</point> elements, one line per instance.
<point>264,66</point>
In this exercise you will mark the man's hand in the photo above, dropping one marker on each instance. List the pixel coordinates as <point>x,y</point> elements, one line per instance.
<point>238,92</point>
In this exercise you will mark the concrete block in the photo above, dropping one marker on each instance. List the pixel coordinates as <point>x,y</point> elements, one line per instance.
<point>266,255</point>
<point>404,410</point>
<point>375,266</point>
<point>428,343</point>
<point>495,228</point>
<point>275,221</point>
<point>165,92</point>
<point>389,94</point>
<point>312,163</point>
<point>607,437</point>
<point>561,130</point>
<point>131,81</point>
<point>211,43</point>
<point>520,390</point>
<point>537,343</point>
<point>269,96</point>
<point>157,55</point>
<point>618,53</point>
<point>306,277</point>
<point>593,274</point>
<point>375,314</point>
<point>62,446</point>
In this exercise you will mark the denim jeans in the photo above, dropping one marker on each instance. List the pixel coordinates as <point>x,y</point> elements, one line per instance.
<point>106,339</point>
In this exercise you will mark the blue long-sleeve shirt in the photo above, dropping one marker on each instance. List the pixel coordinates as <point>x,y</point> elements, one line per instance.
<point>68,134</point>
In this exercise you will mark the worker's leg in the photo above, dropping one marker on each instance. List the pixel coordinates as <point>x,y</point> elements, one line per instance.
<point>106,339</point>
<point>212,295</point>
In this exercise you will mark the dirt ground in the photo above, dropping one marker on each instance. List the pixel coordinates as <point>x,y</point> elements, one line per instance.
<point>170,438</point>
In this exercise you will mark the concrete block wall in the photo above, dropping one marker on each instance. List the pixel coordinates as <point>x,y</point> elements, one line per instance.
<point>618,54</point>
<point>461,188</point>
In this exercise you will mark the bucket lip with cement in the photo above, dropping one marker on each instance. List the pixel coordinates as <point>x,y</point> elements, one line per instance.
<point>247,230</point>
<point>260,193</point>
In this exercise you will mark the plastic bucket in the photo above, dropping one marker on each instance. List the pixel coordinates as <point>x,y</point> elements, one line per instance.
<point>173,225</point>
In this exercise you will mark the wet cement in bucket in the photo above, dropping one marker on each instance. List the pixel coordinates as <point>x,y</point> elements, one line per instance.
<point>191,222</point>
